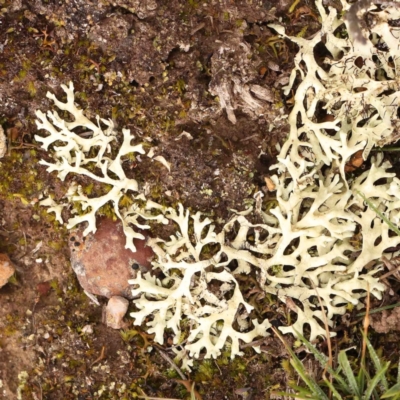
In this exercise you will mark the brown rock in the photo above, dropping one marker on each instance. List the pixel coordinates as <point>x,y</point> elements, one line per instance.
<point>386,321</point>
<point>102,263</point>
<point>7,269</point>
<point>43,288</point>
<point>115,311</point>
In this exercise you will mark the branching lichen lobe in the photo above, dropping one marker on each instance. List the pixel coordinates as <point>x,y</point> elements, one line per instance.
<point>310,231</point>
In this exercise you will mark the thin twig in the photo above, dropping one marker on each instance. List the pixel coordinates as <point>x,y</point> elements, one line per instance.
<point>249,138</point>
<point>215,362</point>
<point>252,344</point>
<point>366,325</point>
<point>102,356</point>
<point>155,398</point>
<point>389,265</point>
<point>173,365</point>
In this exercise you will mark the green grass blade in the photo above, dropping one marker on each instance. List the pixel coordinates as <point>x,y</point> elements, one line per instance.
<point>300,389</point>
<point>298,366</point>
<point>310,382</point>
<point>375,360</point>
<point>398,373</point>
<point>393,391</point>
<point>335,393</point>
<point>294,395</point>
<point>383,217</point>
<point>362,376</point>
<point>378,310</point>
<point>375,380</point>
<point>348,372</point>
<point>323,360</point>
<point>303,392</point>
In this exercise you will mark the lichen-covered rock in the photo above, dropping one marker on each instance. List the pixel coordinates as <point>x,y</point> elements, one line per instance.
<point>142,8</point>
<point>102,263</point>
<point>116,309</point>
<point>109,32</point>
<point>7,269</point>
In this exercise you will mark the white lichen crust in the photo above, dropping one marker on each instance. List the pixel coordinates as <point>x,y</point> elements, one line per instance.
<point>317,251</point>
<point>321,237</point>
<point>328,235</point>
<point>185,292</point>
<point>71,153</point>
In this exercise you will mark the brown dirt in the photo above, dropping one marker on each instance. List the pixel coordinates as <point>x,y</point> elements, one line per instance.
<point>156,67</point>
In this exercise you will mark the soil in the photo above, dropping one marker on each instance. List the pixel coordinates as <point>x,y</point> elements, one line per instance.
<point>160,68</point>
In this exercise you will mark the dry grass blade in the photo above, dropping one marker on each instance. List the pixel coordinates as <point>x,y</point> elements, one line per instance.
<point>382,216</point>
<point>173,365</point>
<point>299,367</point>
<point>393,269</point>
<point>365,326</point>
<point>100,358</point>
<point>156,398</point>
<point>190,388</point>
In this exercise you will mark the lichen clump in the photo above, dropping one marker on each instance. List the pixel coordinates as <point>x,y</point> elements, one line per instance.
<point>306,246</point>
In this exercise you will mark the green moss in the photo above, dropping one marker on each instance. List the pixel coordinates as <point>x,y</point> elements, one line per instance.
<point>180,86</point>
<point>88,189</point>
<point>170,373</point>
<point>75,363</point>
<point>206,371</point>
<point>22,74</point>
<point>56,245</point>
<point>56,287</point>
<point>12,324</point>
<point>108,211</point>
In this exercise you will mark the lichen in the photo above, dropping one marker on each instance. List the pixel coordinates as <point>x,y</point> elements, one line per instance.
<point>304,253</point>
<point>72,156</point>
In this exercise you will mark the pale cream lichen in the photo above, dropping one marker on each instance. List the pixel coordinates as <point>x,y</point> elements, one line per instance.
<point>310,233</point>
<point>71,153</point>
<point>186,291</point>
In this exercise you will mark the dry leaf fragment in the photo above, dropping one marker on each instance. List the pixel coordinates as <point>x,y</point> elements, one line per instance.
<point>163,161</point>
<point>150,154</point>
<point>273,66</point>
<point>262,93</point>
<point>184,134</point>
<point>291,305</point>
<point>356,160</point>
<point>270,185</point>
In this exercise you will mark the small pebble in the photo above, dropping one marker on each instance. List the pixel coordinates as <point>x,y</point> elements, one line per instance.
<point>88,329</point>
<point>115,311</point>
<point>7,269</point>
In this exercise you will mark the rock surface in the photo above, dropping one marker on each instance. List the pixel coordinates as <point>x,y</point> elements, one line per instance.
<point>386,321</point>
<point>6,269</point>
<point>115,311</point>
<point>101,262</point>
